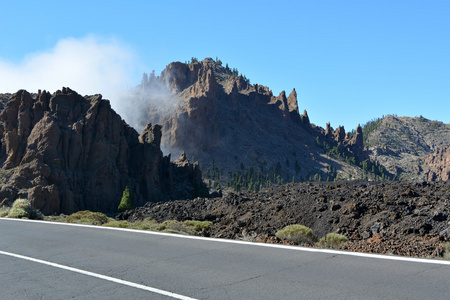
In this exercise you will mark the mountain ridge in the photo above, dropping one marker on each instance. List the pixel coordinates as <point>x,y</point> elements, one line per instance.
<point>220,113</point>
<point>405,145</point>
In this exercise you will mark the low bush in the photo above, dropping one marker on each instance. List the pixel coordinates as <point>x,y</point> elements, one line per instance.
<point>332,240</point>
<point>173,226</point>
<point>88,218</point>
<point>297,234</point>
<point>4,211</point>
<point>168,230</point>
<point>60,218</point>
<point>447,251</point>
<point>118,224</point>
<point>22,209</point>
<point>147,224</point>
<point>198,225</point>
<point>190,227</point>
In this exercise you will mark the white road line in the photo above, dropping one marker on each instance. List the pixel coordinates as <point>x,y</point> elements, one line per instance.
<point>295,248</point>
<point>104,277</point>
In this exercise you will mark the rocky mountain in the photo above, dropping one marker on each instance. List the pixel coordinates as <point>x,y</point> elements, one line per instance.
<point>231,126</point>
<point>412,148</point>
<point>65,153</point>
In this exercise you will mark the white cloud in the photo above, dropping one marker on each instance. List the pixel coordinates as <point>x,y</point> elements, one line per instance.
<point>89,65</point>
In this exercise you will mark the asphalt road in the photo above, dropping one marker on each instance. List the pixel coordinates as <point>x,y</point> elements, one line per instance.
<point>54,261</point>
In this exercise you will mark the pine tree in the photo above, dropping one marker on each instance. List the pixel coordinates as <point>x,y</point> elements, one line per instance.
<point>127,201</point>
<point>297,167</point>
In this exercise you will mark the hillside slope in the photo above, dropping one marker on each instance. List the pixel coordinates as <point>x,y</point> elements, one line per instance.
<point>401,145</point>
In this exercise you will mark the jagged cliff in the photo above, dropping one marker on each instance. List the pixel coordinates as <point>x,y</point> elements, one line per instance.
<point>224,121</point>
<point>65,153</point>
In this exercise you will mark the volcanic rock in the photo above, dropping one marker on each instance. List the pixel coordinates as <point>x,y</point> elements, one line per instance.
<point>438,164</point>
<point>65,153</point>
<point>383,217</point>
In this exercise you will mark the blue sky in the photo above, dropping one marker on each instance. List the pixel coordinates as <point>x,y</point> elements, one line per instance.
<point>350,61</point>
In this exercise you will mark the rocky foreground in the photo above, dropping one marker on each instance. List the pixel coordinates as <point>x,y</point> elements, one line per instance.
<point>380,217</point>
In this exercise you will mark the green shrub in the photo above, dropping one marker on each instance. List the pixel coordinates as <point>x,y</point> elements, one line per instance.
<point>60,218</point>
<point>147,224</point>
<point>296,233</point>
<point>322,243</point>
<point>173,226</point>
<point>88,218</point>
<point>332,240</point>
<point>119,224</point>
<point>4,211</point>
<point>127,201</point>
<point>198,225</point>
<point>190,227</point>
<point>22,209</point>
<point>141,225</point>
<point>168,230</point>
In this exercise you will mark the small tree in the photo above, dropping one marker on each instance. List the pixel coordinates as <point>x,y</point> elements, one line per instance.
<point>127,201</point>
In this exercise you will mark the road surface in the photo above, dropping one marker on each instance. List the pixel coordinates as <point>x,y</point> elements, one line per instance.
<point>42,260</point>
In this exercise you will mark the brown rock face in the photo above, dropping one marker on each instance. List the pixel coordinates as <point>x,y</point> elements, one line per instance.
<point>67,153</point>
<point>357,139</point>
<point>231,126</point>
<point>438,164</point>
<point>222,117</point>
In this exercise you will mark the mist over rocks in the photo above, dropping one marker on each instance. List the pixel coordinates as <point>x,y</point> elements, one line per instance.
<point>219,116</point>
<point>65,152</point>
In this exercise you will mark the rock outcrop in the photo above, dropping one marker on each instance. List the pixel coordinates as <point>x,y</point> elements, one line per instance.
<point>222,118</point>
<point>65,153</point>
<point>352,142</point>
<point>438,165</point>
